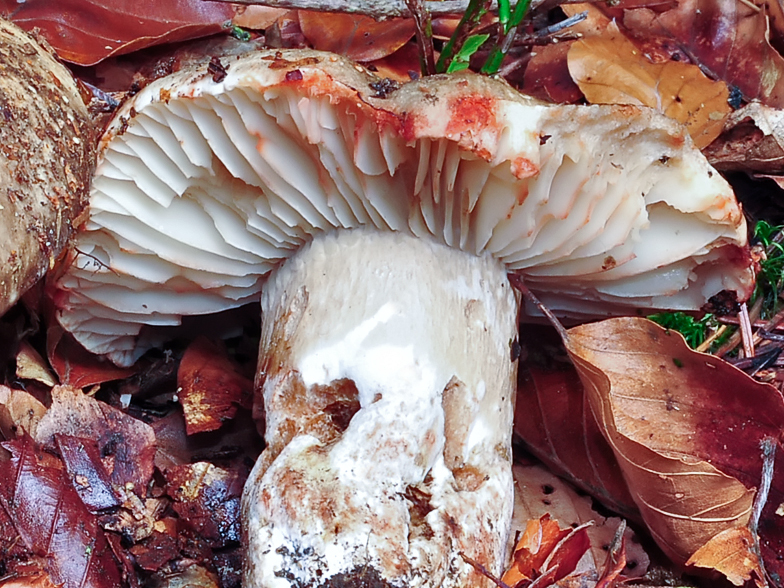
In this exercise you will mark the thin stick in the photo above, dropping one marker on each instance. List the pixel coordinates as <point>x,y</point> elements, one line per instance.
<point>380,9</point>
<point>517,282</point>
<point>745,331</point>
<point>768,446</point>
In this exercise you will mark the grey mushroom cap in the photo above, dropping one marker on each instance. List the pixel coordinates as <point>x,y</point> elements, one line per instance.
<point>46,161</point>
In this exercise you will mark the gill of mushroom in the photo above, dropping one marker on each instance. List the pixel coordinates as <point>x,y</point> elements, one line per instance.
<point>379,229</point>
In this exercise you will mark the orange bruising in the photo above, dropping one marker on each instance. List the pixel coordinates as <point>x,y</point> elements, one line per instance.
<point>523,168</point>
<point>471,117</point>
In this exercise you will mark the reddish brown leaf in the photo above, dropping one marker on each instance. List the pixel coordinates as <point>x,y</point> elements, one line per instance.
<point>76,366</point>
<point>686,430</point>
<point>160,548</point>
<point>87,31</point>
<point>210,387</point>
<point>207,498</point>
<point>127,445</point>
<point>552,417</point>
<point>358,37</point>
<point>88,475</point>
<point>547,75</point>
<point>51,519</point>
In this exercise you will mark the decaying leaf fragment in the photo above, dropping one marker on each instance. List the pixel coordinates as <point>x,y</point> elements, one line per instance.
<point>685,428</point>
<point>209,387</point>
<point>609,69</point>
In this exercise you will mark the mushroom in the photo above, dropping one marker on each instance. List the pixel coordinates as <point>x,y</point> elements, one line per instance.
<point>379,225</point>
<point>46,161</point>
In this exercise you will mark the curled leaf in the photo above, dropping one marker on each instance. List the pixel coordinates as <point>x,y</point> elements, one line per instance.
<point>609,69</point>
<point>685,428</point>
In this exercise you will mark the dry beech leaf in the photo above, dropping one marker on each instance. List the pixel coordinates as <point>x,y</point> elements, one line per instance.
<point>31,366</point>
<point>730,552</point>
<point>19,412</point>
<point>87,31</point>
<point>685,428</point>
<point>609,69</point>
<point>358,37</point>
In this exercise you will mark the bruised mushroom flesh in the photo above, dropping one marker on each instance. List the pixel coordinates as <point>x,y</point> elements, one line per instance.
<point>388,445</point>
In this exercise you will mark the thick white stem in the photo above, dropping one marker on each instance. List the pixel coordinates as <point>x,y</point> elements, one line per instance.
<point>387,382</point>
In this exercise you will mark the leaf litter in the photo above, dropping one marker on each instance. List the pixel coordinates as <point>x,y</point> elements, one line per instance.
<point>667,437</point>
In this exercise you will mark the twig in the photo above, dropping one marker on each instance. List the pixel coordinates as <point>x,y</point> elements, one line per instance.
<point>745,331</point>
<point>424,36</point>
<point>381,9</point>
<point>517,282</point>
<point>768,446</point>
<point>483,570</point>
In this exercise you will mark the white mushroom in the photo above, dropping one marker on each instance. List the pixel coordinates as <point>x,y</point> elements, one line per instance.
<point>46,160</point>
<point>379,229</point>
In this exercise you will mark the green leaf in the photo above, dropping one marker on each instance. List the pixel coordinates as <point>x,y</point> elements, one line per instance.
<point>463,57</point>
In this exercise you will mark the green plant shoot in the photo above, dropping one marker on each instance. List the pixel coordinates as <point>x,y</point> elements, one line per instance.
<point>463,57</point>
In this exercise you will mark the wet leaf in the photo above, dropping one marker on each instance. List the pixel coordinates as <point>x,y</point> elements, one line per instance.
<point>127,445</point>
<point>609,69</point>
<point>207,498</point>
<point>87,473</point>
<point>87,31</point>
<point>52,521</point>
<point>358,37</point>
<point>210,387</point>
<point>685,428</point>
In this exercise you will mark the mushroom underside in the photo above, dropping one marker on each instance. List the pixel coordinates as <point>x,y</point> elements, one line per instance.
<point>601,211</point>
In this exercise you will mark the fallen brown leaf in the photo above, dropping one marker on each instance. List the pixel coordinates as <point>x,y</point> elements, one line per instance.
<point>19,412</point>
<point>87,31</point>
<point>752,141</point>
<point>609,69</point>
<point>554,420</point>
<point>730,552</point>
<point>726,37</point>
<point>685,428</point>
<point>127,445</point>
<point>358,37</point>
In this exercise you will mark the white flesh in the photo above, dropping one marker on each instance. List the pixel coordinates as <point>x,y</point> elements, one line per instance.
<point>423,470</point>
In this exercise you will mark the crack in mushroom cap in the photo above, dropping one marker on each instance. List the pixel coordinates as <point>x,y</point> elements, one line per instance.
<point>203,187</point>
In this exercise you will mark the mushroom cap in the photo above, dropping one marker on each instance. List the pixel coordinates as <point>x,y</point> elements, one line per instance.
<point>46,161</point>
<point>207,180</point>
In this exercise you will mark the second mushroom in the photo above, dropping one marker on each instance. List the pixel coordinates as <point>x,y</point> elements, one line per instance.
<point>379,227</point>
